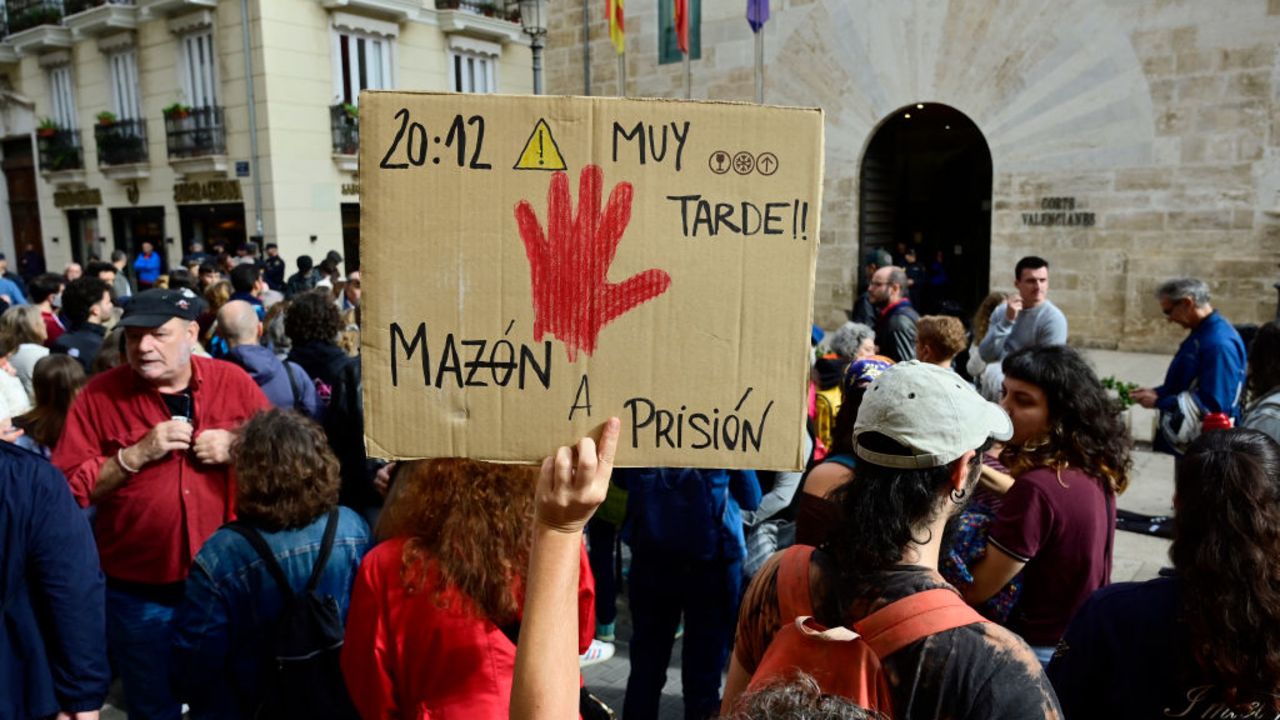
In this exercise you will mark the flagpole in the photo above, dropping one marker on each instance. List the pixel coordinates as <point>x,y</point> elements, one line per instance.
<point>586,47</point>
<point>688,77</point>
<point>622,74</point>
<point>760,66</point>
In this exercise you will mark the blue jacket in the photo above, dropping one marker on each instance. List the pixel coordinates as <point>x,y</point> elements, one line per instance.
<point>10,288</point>
<point>1214,355</point>
<point>270,371</point>
<point>54,659</point>
<point>695,513</point>
<point>231,602</point>
<point>148,268</point>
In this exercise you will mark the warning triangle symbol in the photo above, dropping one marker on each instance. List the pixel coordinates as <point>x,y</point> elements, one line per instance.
<point>541,151</point>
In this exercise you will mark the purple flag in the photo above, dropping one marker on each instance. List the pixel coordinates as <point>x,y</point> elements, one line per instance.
<point>757,14</point>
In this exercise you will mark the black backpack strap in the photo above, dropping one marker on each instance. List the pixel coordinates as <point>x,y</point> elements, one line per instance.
<point>326,548</point>
<point>264,551</point>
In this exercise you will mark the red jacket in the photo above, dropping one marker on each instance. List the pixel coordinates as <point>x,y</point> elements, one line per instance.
<point>411,655</point>
<point>150,528</point>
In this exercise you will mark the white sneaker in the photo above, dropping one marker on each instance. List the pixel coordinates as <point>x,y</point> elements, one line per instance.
<point>597,653</point>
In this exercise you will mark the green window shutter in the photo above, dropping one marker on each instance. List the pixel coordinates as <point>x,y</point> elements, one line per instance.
<point>668,50</point>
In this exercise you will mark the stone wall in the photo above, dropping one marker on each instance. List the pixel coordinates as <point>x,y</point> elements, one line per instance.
<point>1160,117</point>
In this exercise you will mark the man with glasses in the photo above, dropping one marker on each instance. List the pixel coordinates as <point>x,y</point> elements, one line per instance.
<point>895,317</point>
<point>1206,375</point>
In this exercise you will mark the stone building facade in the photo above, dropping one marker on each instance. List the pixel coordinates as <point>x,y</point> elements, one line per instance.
<point>129,120</point>
<point>1128,142</point>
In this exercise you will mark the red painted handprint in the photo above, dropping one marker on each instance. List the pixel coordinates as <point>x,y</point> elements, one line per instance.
<point>569,264</point>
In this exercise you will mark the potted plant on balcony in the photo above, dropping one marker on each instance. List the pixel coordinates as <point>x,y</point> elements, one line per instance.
<point>446,4</point>
<point>177,111</point>
<point>107,118</point>
<point>352,111</point>
<point>47,128</point>
<point>488,9</point>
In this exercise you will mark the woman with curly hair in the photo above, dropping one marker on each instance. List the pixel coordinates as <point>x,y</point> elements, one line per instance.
<point>1070,456</point>
<point>287,493</point>
<point>312,324</point>
<point>437,607</point>
<point>1206,641</point>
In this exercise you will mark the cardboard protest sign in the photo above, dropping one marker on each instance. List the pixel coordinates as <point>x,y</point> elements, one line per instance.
<point>534,265</point>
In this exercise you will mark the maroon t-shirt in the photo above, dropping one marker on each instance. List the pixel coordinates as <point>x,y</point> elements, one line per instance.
<point>1063,528</point>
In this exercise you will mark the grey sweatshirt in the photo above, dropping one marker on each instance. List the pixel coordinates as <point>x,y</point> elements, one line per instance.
<point>1041,325</point>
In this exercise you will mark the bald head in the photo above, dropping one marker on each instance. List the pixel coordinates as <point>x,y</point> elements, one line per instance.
<point>239,324</point>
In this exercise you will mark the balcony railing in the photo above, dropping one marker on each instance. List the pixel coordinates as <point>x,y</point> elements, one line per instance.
<point>195,132</point>
<point>71,7</point>
<point>481,7</point>
<point>345,125</point>
<point>59,150</point>
<point>26,14</point>
<point>123,142</point>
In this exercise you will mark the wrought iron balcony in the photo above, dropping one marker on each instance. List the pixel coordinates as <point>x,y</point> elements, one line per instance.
<point>123,142</point>
<point>344,123</point>
<point>482,7</point>
<point>27,14</point>
<point>71,7</point>
<point>59,150</point>
<point>195,132</point>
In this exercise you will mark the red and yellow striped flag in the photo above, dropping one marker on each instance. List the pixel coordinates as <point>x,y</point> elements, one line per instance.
<point>617,30</point>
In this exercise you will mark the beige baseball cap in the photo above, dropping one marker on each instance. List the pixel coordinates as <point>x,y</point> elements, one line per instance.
<point>930,411</point>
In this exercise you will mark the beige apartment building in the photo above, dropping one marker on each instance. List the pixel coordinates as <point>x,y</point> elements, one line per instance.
<point>169,121</point>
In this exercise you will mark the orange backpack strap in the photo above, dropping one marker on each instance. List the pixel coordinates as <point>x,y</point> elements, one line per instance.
<point>913,618</point>
<point>794,598</point>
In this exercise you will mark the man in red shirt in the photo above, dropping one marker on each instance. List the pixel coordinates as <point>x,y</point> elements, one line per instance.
<point>148,444</point>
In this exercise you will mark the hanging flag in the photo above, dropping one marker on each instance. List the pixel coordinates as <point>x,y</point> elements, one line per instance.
<point>617,31</point>
<point>757,14</point>
<point>682,25</point>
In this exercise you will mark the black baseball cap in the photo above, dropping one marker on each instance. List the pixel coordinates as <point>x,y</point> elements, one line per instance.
<point>153,308</point>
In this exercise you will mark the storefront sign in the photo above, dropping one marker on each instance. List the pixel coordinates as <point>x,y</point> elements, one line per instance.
<point>77,197</point>
<point>1058,212</point>
<point>209,191</point>
<point>353,187</point>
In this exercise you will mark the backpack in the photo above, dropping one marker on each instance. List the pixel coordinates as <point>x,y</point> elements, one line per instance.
<point>301,677</point>
<point>848,662</point>
<point>675,511</point>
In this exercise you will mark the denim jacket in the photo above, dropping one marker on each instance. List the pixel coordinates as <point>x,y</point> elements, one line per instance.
<point>223,626</point>
<point>693,513</point>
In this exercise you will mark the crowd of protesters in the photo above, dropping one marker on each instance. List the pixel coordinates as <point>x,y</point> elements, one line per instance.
<point>186,505</point>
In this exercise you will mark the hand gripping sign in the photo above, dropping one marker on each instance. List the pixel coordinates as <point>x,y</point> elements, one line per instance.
<point>535,265</point>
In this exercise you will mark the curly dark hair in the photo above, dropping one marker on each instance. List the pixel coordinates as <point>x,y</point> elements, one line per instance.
<point>881,511</point>
<point>1264,361</point>
<point>474,519</point>
<point>41,287</point>
<point>1086,431</point>
<point>312,316</point>
<point>286,475</point>
<point>797,696</point>
<point>80,296</point>
<point>1226,548</point>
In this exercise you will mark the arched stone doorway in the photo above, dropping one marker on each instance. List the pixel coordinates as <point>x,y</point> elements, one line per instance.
<point>925,186</point>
